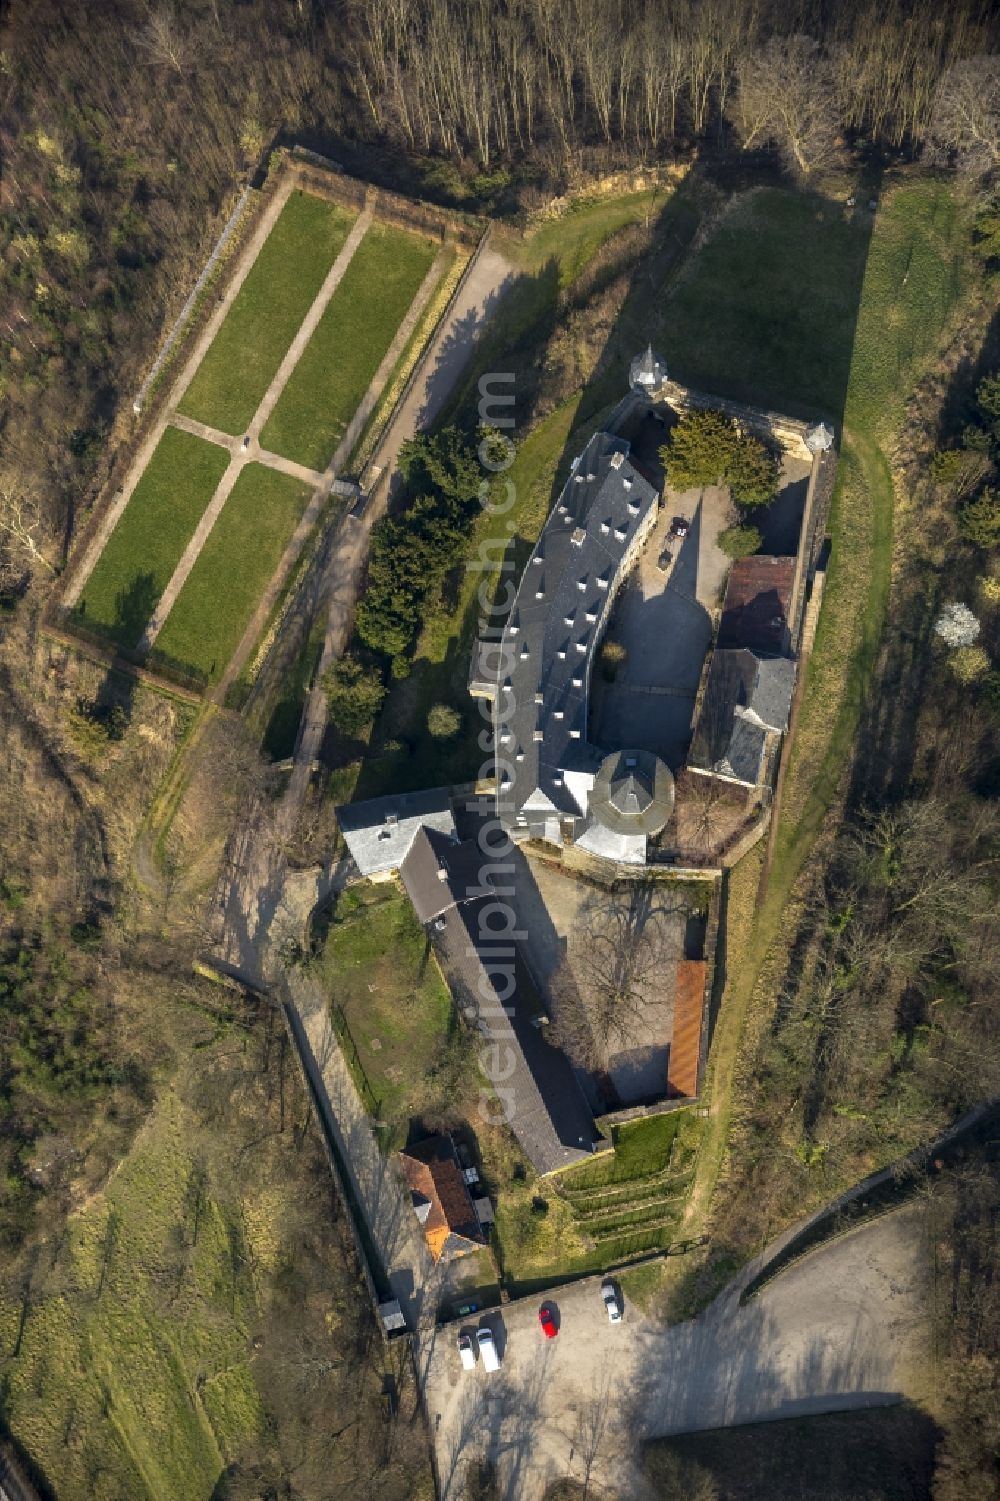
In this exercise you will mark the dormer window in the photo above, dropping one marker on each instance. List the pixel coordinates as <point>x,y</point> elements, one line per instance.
<point>558,714</point>
<point>581,646</point>
<point>539,698</point>
<point>633,508</point>
<point>591,615</point>
<point>581,584</point>
<point>605,528</point>
<point>568,619</point>
<point>538,735</point>
<point>539,593</point>
<point>619,534</point>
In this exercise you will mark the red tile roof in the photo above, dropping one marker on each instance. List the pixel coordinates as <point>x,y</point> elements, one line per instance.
<point>685,1044</point>
<point>433,1175</point>
<point>755,609</point>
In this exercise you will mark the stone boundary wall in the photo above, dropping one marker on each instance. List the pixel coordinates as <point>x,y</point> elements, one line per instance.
<point>192,298</point>
<point>330,181</point>
<point>790,432</point>
<point>372,1273</point>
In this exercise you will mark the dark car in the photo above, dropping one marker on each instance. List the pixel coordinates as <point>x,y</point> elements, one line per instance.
<point>680,526</point>
<point>549,1326</point>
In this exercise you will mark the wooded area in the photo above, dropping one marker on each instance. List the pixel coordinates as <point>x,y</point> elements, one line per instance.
<point>124,128</point>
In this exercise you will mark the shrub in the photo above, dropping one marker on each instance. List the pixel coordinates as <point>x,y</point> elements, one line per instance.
<point>956,625</point>
<point>443,722</point>
<point>989,588</point>
<point>969,663</point>
<point>613,656</point>
<point>354,693</point>
<point>753,473</point>
<point>740,541</point>
<point>979,521</point>
<point>698,450</point>
<point>706,448</point>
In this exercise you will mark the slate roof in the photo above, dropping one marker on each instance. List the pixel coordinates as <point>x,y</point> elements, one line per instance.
<point>633,793</point>
<point>745,697</point>
<point>379,833</point>
<point>755,609</point>
<point>555,623</point>
<point>441,1199</point>
<point>648,371</point>
<point>543,1102</point>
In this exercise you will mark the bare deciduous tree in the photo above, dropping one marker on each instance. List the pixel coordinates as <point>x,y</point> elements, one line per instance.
<point>628,947</point>
<point>965,121</point>
<point>20,530</point>
<point>785,95</point>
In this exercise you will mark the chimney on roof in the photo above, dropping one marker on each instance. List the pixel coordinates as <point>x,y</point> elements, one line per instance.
<point>442,874</point>
<point>617,459</point>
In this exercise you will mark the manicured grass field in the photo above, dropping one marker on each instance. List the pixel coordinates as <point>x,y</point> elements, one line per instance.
<point>155,527</point>
<point>240,554</point>
<point>279,289</point>
<point>337,365</point>
<point>398,1010</point>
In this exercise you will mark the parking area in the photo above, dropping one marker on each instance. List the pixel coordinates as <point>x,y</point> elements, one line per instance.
<point>844,1328</point>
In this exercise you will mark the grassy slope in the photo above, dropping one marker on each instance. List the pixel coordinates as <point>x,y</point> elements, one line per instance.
<point>239,556</point>
<point>913,278</point>
<point>151,1379</point>
<point>338,364</point>
<point>266,313</point>
<point>156,526</point>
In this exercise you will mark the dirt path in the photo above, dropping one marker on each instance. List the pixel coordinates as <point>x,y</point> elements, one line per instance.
<point>846,1327</point>
<point>447,355</point>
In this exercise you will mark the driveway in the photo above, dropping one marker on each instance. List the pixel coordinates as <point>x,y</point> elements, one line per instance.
<point>846,1327</point>
<point>664,622</point>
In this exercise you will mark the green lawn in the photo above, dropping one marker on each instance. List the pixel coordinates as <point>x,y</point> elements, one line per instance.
<point>279,289</point>
<point>641,1148</point>
<point>233,568</point>
<point>399,1013</point>
<point>155,527</point>
<point>338,364</point>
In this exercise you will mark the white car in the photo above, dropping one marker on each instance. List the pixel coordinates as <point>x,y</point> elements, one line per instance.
<point>466,1352</point>
<point>488,1349</point>
<point>612,1301</point>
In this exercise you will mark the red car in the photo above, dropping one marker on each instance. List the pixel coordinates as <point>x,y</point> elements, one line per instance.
<point>549,1326</point>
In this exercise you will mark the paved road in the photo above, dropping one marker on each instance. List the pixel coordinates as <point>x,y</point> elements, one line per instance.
<point>846,1327</point>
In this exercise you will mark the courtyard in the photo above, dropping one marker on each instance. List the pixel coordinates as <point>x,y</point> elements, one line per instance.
<point>570,924</point>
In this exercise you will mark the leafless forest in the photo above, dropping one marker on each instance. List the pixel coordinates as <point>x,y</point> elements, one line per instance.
<point>123,127</point>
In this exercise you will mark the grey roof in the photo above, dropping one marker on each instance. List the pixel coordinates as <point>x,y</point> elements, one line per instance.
<point>543,670</point>
<point>627,849</point>
<point>819,438</point>
<point>633,793</point>
<point>744,757</point>
<point>745,697</point>
<point>542,1100</point>
<point>379,832</point>
<point>771,698</point>
<point>648,371</point>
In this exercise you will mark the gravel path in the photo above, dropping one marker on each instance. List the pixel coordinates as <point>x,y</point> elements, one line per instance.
<point>846,1327</point>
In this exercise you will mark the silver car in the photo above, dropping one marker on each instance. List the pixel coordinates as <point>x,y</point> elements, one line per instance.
<point>612,1301</point>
